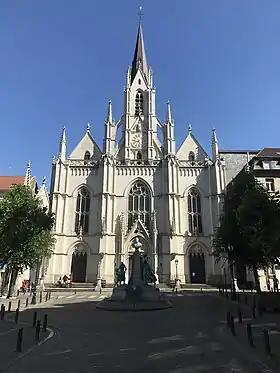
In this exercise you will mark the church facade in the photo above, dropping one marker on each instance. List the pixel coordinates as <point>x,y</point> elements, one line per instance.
<point>139,187</point>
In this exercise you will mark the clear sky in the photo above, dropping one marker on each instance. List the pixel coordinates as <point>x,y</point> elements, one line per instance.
<point>217,61</point>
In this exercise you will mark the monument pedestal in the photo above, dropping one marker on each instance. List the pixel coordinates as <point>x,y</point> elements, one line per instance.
<point>150,293</point>
<point>119,293</point>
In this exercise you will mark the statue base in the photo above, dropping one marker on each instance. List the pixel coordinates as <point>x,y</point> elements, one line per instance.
<point>132,298</point>
<point>119,293</point>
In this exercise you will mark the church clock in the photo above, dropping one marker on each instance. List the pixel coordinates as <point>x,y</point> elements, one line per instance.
<point>136,140</point>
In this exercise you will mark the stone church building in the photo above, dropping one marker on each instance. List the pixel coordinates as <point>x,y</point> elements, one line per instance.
<point>139,187</point>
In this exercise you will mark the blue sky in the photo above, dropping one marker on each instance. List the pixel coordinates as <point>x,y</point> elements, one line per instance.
<point>217,61</point>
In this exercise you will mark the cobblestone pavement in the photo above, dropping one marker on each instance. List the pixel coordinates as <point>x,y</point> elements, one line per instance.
<point>188,338</point>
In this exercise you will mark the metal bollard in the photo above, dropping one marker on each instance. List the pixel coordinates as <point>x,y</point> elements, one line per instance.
<point>9,306</point>
<point>46,298</point>
<point>37,331</point>
<point>19,339</point>
<point>239,316</point>
<point>2,312</point>
<point>26,302</point>
<point>266,342</point>
<point>201,290</point>
<point>17,293</point>
<point>228,319</point>
<point>16,315</point>
<point>41,295</point>
<point>250,335</point>
<point>253,312</point>
<point>75,291</point>
<point>18,304</point>
<point>45,323</point>
<point>34,319</point>
<point>232,326</point>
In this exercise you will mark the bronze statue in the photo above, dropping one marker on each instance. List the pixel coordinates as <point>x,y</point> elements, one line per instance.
<point>120,274</point>
<point>148,273</point>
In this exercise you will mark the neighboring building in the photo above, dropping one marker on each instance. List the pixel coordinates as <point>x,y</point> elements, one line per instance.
<point>265,166</point>
<point>139,187</point>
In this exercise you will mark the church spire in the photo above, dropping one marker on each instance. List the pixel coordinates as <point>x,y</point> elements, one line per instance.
<point>140,60</point>
<point>215,146</point>
<point>27,174</point>
<point>62,145</point>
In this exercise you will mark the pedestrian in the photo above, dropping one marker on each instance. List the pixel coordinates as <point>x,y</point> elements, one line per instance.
<point>275,283</point>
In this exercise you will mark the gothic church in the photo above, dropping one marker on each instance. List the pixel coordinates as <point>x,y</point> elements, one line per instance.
<point>139,187</point>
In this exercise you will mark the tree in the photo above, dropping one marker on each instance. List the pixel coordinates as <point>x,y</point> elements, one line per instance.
<point>25,228</point>
<point>249,226</point>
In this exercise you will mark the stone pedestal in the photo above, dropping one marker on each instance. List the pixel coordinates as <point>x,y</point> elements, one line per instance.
<point>150,293</point>
<point>119,293</point>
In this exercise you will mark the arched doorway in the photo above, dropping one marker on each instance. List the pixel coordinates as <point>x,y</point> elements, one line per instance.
<point>79,266</point>
<point>197,266</point>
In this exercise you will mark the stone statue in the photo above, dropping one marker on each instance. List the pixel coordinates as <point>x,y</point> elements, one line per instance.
<point>120,274</point>
<point>137,245</point>
<point>148,273</point>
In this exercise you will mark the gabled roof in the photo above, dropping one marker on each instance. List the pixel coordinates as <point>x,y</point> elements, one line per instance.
<point>269,152</point>
<point>191,144</point>
<point>6,182</point>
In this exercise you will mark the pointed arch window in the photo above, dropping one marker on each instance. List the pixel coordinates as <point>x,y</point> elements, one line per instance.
<point>87,156</point>
<point>139,204</point>
<point>194,211</point>
<point>139,105</point>
<point>82,211</point>
<point>191,156</point>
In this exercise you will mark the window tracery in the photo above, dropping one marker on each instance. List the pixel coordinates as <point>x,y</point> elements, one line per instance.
<point>194,211</point>
<point>139,204</point>
<point>82,211</point>
<point>139,106</point>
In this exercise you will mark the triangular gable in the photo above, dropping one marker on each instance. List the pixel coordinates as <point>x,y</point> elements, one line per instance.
<point>87,143</point>
<point>191,145</point>
<point>43,195</point>
<point>139,228</point>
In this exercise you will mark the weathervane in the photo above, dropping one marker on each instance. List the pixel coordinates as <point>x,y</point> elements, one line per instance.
<point>140,13</point>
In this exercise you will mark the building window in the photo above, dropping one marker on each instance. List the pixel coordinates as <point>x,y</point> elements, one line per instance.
<point>82,211</point>
<point>269,184</point>
<point>139,103</point>
<point>87,156</point>
<point>139,204</point>
<point>191,156</point>
<point>194,212</point>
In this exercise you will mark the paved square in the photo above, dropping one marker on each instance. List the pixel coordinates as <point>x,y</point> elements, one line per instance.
<point>183,339</point>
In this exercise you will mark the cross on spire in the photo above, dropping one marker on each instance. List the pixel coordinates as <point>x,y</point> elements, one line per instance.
<point>140,13</point>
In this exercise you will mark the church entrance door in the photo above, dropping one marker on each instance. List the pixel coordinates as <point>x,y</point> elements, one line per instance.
<point>79,266</point>
<point>197,268</point>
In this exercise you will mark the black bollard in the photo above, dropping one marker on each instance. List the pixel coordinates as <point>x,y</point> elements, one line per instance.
<point>201,290</point>
<point>228,319</point>
<point>245,299</point>
<point>266,342</point>
<point>17,293</point>
<point>49,295</point>
<point>34,296</point>
<point>18,304</point>
<point>239,316</point>
<point>232,326</point>
<point>26,302</point>
<point>16,316</point>
<point>2,312</point>
<point>45,323</point>
<point>250,335</point>
<point>19,339</point>
<point>37,331</point>
<point>253,312</point>
<point>34,319</point>
<point>41,295</point>
<point>9,306</point>
<point>46,298</point>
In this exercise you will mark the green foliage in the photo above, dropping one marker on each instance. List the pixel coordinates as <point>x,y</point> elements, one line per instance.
<point>249,227</point>
<point>25,229</point>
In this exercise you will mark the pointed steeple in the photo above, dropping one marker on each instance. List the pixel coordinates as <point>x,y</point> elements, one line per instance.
<point>140,60</point>
<point>62,145</point>
<point>168,118</point>
<point>215,147</point>
<point>27,174</point>
<point>109,118</point>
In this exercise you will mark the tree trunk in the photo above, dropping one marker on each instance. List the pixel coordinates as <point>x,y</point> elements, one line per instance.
<point>257,280</point>
<point>5,282</point>
<point>12,283</point>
